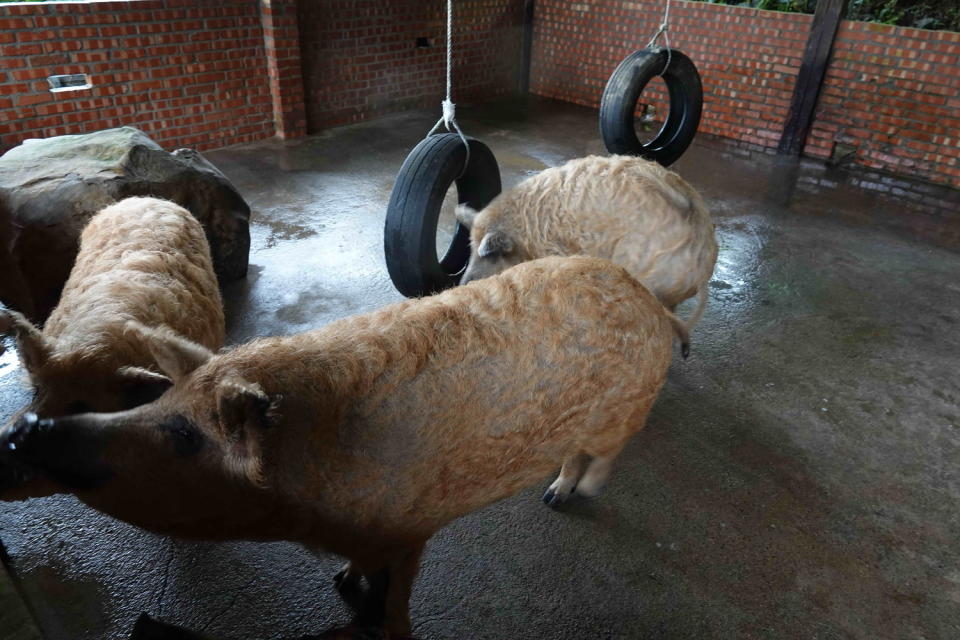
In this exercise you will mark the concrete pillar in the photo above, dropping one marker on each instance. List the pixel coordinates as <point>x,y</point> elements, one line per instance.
<point>282,44</point>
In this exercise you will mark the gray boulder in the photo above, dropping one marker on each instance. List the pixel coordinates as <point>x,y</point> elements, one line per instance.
<point>50,188</point>
<point>14,291</point>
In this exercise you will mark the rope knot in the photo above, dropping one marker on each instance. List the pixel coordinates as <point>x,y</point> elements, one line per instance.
<point>662,31</point>
<point>449,113</point>
<point>448,119</point>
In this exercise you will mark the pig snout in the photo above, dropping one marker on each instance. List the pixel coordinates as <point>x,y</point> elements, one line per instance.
<point>13,472</point>
<point>18,480</point>
<point>62,448</point>
<point>15,438</point>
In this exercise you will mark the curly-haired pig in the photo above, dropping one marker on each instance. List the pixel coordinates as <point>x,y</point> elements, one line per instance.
<point>365,437</point>
<point>140,259</point>
<point>629,210</point>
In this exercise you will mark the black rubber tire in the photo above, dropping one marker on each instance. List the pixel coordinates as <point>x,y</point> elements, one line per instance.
<point>619,103</point>
<point>409,239</point>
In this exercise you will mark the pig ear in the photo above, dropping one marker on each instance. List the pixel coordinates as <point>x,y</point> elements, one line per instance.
<point>495,243</point>
<point>141,386</point>
<point>175,355</point>
<point>466,215</point>
<point>244,411</point>
<point>140,374</point>
<point>34,349</point>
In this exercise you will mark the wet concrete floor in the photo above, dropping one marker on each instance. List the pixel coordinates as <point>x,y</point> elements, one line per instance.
<point>798,477</point>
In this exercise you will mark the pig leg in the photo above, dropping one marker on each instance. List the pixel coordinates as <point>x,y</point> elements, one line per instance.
<point>403,571</point>
<point>348,574</point>
<point>596,476</point>
<point>387,602</point>
<point>347,583</point>
<point>561,488</point>
<point>371,611</point>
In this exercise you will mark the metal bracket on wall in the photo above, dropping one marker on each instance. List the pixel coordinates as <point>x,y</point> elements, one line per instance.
<point>69,82</point>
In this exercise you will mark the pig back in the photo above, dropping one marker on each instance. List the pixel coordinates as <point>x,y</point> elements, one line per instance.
<point>142,259</point>
<point>628,210</point>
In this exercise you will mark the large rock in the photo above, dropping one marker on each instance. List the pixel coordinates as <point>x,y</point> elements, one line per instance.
<point>14,291</point>
<point>50,188</point>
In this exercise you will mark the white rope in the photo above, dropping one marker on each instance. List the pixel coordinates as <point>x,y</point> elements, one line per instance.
<point>449,117</point>
<point>666,37</point>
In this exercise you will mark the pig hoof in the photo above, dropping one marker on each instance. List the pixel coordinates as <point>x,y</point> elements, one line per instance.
<point>347,584</point>
<point>345,579</point>
<point>14,439</point>
<point>685,350</point>
<point>553,498</point>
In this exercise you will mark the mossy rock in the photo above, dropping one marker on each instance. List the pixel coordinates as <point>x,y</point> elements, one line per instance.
<point>50,188</point>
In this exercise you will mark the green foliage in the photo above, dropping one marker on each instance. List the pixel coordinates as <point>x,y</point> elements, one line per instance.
<point>883,11</point>
<point>922,14</point>
<point>789,6</point>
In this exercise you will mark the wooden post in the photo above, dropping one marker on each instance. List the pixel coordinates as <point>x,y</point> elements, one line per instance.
<point>816,56</point>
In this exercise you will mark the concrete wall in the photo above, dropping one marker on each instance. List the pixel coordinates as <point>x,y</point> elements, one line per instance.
<point>360,58</point>
<point>187,73</point>
<point>891,91</point>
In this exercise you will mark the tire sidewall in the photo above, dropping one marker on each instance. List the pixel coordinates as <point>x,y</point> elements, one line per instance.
<point>435,164</point>
<point>624,88</point>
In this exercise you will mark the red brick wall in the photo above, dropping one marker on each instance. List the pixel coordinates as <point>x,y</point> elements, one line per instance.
<point>360,60</point>
<point>894,94</point>
<point>892,91</point>
<point>747,58</point>
<point>187,73</point>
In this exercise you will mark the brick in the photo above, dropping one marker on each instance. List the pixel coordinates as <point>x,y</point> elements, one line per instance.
<point>29,74</point>
<point>17,50</point>
<point>35,35</point>
<point>132,57</point>
<point>33,98</point>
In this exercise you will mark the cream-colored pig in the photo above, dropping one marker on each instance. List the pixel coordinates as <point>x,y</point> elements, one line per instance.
<point>625,209</point>
<point>367,436</point>
<point>140,259</point>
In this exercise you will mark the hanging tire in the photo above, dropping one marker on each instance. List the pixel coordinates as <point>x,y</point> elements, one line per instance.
<point>411,227</point>
<point>619,103</point>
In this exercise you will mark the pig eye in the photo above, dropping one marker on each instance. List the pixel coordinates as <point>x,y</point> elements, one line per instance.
<point>187,439</point>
